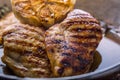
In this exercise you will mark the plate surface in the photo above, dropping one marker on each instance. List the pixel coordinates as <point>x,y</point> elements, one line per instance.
<point>110,63</point>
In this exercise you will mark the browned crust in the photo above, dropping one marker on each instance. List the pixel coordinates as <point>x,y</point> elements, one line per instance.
<point>24,51</point>
<point>70,44</point>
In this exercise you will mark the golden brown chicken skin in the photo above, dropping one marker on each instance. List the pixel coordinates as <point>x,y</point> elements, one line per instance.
<point>42,12</point>
<point>71,44</point>
<point>24,51</point>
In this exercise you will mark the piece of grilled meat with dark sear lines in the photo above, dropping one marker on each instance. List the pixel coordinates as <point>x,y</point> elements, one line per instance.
<point>24,51</point>
<point>71,44</point>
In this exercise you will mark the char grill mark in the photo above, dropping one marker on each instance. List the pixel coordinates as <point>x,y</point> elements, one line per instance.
<point>24,47</point>
<point>37,30</point>
<point>22,31</point>
<point>88,44</point>
<point>92,23</point>
<point>24,43</point>
<point>66,54</point>
<point>85,37</point>
<point>25,53</point>
<point>56,41</point>
<point>79,36</point>
<point>79,50</point>
<point>95,30</point>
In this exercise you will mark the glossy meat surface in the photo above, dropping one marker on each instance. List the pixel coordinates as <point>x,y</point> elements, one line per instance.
<point>24,51</point>
<point>71,44</point>
<point>42,12</point>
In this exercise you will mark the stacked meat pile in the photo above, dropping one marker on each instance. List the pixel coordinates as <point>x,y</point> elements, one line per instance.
<point>51,39</point>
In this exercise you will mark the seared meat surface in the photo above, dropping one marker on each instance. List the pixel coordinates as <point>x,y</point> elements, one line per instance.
<point>42,12</point>
<point>71,44</point>
<point>24,51</point>
<point>5,22</point>
<point>65,49</point>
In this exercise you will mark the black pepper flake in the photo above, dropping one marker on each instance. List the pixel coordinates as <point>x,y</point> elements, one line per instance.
<point>28,52</point>
<point>66,54</point>
<point>73,49</point>
<point>60,71</point>
<point>65,47</point>
<point>57,41</point>
<point>40,50</point>
<point>65,63</point>
<point>82,60</point>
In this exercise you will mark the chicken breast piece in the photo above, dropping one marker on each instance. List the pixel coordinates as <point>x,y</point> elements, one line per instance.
<point>9,19</point>
<point>24,51</point>
<point>42,12</point>
<point>71,44</point>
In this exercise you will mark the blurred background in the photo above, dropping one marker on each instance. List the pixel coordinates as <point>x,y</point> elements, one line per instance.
<point>107,10</point>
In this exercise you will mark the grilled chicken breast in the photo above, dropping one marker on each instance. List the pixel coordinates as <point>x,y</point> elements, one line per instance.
<point>5,22</point>
<point>42,12</point>
<point>24,51</point>
<point>71,44</point>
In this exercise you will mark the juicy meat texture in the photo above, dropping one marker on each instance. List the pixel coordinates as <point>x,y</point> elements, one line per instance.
<point>42,12</point>
<point>24,51</point>
<point>71,44</point>
<point>9,19</point>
